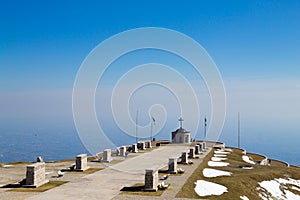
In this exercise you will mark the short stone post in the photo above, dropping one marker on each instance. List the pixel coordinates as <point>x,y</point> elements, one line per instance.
<point>192,153</point>
<point>148,144</point>
<point>204,145</point>
<point>172,165</point>
<point>142,145</point>
<point>184,158</point>
<point>35,175</point>
<point>81,162</point>
<point>107,155</point>
<point>151,180</point>
<point>197,149</point>
<point>122,151</point>
<point>134,148</point>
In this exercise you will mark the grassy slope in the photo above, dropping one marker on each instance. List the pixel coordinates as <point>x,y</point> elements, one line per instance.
<point>242,182</point>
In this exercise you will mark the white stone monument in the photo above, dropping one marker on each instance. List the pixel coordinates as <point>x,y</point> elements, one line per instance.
<point>122,151</point>
<point>204,145</point>
<point>184,158</point>
<point>81,162</point>
<point>181,135</point>
<point>197,149</point>
<point>200,146</point>
<point>172,165</point>
<point>148,144</point>
<point>107,155</point>
<point>134,148</point>
<point>35,175</point>
<point>151,180</point>
<point>142,146</point>
<point>192,153</point>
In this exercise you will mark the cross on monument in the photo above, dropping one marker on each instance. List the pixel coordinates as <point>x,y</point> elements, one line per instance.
<point>180,121</point>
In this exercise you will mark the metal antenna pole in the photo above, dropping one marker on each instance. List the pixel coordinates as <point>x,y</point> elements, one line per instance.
<point>239,131</point>
<point>136,126</point>
<point>205,124</point>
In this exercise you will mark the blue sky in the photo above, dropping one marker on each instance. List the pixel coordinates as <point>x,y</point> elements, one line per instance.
<point>255,45</point>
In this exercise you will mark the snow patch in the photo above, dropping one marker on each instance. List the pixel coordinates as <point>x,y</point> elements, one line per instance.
<point>205,188</point>
<point>247,167</point>
<point>220,155</point>
<point>217,164</point>
<point>218,159</point>
<point>209,173</point>
<point>221,152</point>
<point>247,160</point>
<point>244,198</point>
<point>278,189</point>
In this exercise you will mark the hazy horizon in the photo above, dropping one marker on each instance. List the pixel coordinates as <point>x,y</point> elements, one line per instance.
<point>255,46</point>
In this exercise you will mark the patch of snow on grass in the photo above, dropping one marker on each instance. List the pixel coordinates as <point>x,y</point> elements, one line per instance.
<point>295,188</point>
<point>247,160</point>
<point>228,150</point>
<point>218,159</point>
<point>244,198</point>
<point>278,188</point>
<point>220,155</point>
<point>209,173</point>
<point>205,188</point>
<point>221,152</point>
<point>247,167</point>
<point>217,164</point>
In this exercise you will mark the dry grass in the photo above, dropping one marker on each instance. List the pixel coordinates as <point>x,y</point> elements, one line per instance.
<point>255,156</point>
<point>242,182</point>
<point>45,187</point>
<point>137,189</point>
<point>88,171</point>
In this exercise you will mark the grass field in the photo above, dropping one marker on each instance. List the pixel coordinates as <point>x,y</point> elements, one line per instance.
<point>45,187</point>
<point>241,182</point>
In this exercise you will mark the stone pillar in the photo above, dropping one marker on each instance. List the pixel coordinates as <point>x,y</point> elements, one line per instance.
<point>192,153</point>
<point>151,180</point>
<point>35,175</point>
<point>81,162</point>
<point>200,146</point>
<point>172,165</point>
<point>106,155</point>
<point>118,151</point>
<point>134,148</point>
<point>122,151</point>
<point>184,158</point>
<point>197,149</point>
<point>142,145</point>
<point>148,144</point>
<point>204,146</point>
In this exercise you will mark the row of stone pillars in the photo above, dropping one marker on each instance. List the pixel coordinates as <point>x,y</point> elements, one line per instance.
<point>151,175</point>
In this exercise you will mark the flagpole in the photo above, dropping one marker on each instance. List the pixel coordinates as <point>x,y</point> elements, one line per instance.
<point>205,120</point>
<point>136,126</point>
<point>151,130</point>
<point>239,131</point>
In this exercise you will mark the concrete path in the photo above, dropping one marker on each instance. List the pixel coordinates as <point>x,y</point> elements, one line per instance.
<point>106,184</point>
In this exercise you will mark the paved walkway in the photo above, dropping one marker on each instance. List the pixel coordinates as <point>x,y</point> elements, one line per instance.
<point>106,184</point>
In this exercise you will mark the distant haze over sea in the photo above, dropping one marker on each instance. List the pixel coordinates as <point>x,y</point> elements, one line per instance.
<point>59,144</point>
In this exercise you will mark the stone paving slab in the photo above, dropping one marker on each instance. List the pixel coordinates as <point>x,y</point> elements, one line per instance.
<point>106,184</point>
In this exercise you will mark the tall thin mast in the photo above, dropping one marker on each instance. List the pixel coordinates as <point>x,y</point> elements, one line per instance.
<point>239,131</point>
<point>205,124</point>
<point>136,126</point>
